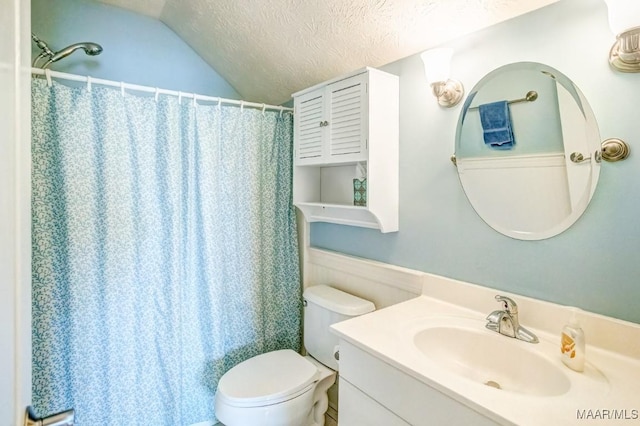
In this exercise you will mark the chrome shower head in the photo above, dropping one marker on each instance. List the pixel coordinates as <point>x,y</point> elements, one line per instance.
<point>91,49</point>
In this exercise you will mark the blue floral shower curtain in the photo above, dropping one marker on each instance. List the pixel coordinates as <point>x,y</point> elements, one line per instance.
<point>164,251</point>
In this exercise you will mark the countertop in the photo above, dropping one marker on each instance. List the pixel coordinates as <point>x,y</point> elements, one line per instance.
<point>607,391</point>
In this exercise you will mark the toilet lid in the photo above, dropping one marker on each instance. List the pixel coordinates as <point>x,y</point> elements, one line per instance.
<point>267,378</point>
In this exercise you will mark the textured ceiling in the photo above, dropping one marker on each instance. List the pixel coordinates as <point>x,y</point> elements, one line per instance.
<point>268,49</point>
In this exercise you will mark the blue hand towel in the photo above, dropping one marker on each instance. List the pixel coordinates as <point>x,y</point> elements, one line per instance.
<point>496,125</point>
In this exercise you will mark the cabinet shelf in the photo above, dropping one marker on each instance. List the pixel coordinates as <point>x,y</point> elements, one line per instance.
<point>341,128</point>
<point>341,214</point>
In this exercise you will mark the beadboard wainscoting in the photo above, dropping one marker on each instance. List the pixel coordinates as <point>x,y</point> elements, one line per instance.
<point>381,283</point>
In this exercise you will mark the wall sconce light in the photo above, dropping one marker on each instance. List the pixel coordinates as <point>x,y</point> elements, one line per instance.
<point>437,68</point>
<point>624,20</point>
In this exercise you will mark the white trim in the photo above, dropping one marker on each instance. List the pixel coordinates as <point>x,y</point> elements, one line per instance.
<point>124,86</point>
<point>513,161</point>
<point>15,213</point>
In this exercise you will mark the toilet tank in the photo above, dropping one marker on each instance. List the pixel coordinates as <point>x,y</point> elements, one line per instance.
<point>323,306</point>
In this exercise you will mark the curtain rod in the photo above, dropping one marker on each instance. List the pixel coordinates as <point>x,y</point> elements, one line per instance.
<point>123,86</point>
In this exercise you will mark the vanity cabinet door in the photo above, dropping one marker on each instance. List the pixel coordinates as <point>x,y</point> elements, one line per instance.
<point>356,408</point>
<point>400,394</point>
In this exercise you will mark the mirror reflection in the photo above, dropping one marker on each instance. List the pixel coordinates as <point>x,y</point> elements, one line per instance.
<point>527,151</point>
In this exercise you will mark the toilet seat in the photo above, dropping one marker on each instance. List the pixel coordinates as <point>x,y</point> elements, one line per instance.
<point>267,379</point>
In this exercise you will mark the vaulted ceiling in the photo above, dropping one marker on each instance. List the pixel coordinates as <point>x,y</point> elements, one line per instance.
<point>268,49</point>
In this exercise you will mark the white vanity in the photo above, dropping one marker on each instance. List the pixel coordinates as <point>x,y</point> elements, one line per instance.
<point>431,361</point>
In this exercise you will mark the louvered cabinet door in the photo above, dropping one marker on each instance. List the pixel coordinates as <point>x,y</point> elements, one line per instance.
<point>347,120</point>
<point>310,128</point>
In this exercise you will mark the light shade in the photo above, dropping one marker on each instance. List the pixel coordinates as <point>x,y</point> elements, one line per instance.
<point>437,64</point>
<point>437,68</point>
<point>624,20</point>
<point>623,15</point>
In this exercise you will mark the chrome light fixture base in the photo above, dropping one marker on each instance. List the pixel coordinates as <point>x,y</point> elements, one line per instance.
<point>449,93</point>
<point>625,52</point>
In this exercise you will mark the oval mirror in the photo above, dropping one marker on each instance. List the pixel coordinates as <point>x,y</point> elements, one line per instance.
<point>527,151</point>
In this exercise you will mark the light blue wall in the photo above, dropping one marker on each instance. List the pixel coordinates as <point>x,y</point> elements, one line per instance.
<point>595,264</point>
<point>137,49</point>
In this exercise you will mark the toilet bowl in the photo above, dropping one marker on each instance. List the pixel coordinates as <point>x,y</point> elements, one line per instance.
<point>280,388</point>
<point>284,388</point>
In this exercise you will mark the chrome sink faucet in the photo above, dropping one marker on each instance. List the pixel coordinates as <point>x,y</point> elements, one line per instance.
<point>506,321</point>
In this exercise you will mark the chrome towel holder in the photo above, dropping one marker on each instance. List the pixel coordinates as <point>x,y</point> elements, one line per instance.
<point>531,96</point>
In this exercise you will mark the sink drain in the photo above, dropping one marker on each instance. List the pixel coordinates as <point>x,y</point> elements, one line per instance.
<point>493,384</point>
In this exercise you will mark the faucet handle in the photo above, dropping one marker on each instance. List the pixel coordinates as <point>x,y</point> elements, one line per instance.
<point>509,305</point>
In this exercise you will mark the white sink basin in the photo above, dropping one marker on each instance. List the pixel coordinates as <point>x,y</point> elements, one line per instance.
<point>465,348</point>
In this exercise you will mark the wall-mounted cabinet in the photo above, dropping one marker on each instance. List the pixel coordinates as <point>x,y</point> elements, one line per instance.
<point>344,129</point>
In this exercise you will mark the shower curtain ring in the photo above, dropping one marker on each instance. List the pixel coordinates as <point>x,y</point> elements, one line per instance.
<point>47,74</point>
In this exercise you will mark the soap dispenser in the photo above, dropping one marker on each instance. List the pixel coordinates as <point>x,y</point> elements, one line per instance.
<point>572,344</point>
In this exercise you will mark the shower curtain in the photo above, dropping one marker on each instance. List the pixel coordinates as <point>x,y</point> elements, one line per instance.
<point>164,251</point>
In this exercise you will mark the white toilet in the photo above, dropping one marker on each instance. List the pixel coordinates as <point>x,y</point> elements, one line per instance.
<point>283,388</point>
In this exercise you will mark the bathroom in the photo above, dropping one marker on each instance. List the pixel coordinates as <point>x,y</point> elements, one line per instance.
<point>592,265</point>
